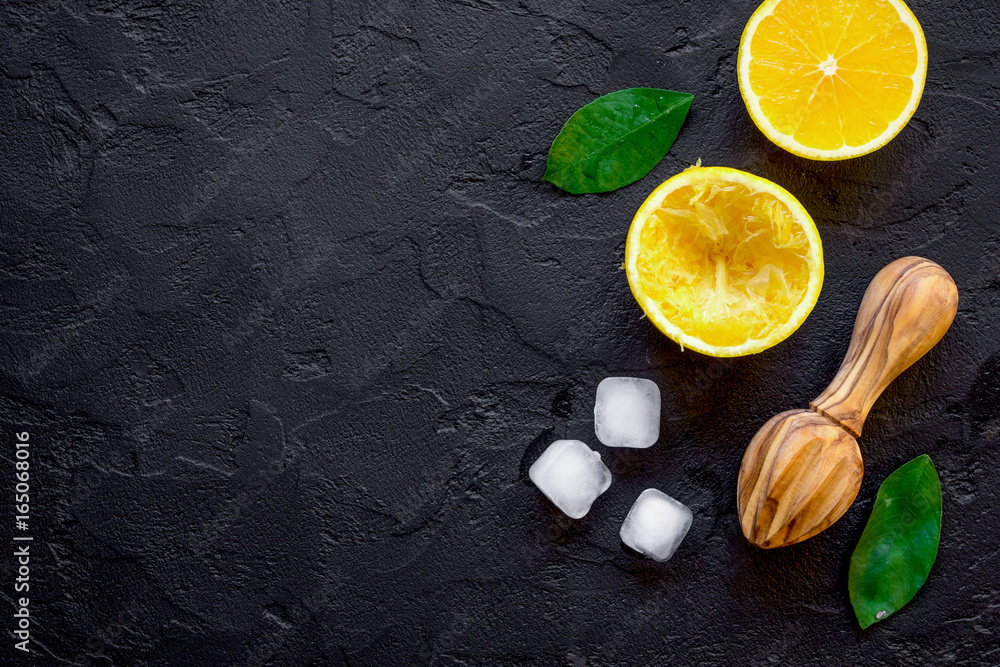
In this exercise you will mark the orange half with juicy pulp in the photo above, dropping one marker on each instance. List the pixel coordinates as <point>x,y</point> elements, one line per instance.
<point>832,79</point>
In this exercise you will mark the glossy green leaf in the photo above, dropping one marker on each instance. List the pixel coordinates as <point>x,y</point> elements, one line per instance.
<point>616,139</point>
<point>899,544</point>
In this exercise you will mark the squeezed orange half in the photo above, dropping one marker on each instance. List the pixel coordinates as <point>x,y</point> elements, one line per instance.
<point>724,262</point>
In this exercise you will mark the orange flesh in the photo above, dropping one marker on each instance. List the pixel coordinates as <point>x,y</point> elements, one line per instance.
<point>833,73</point>
<point>725,263</point>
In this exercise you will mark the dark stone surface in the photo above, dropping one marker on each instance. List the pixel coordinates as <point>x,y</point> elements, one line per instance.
<point>287,311</point>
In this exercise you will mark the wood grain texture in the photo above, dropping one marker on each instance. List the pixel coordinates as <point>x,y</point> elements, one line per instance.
<point>907,308</point>
<point>803,469</point>
<point>800,473</point>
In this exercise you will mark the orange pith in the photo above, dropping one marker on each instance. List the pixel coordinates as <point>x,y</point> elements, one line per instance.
<point>723,262</point>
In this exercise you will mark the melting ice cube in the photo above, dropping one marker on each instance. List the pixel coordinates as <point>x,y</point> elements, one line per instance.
<point>656,525</point>
<point>627,412</point>
<point>572,475</point>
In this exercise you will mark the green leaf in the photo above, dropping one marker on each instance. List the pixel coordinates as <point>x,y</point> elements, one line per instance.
<point>616,139</point>
<point>899,544</point>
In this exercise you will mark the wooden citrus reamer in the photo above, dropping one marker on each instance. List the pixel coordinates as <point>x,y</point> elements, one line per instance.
<point>803,469</point>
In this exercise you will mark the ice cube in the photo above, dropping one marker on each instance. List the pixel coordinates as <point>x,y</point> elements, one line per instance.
<point>572,475</point>
<point>627,412</point>
<point>656,525</point>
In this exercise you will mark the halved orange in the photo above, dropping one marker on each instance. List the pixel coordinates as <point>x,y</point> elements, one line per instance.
<point>724,262</point>
<point>832,79</point>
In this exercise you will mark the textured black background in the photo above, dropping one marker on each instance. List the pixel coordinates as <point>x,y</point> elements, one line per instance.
<point>288,311</point>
